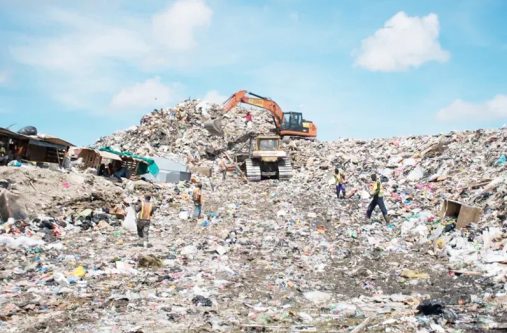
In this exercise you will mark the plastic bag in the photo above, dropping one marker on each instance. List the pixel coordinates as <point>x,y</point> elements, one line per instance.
<point>19,242</point>
<point>129,222</point>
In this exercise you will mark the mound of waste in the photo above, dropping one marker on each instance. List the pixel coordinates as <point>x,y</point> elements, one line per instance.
<point>272,256</point>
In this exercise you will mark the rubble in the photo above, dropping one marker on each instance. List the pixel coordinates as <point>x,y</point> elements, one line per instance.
<point>180,131</point>
<point>266,256</point>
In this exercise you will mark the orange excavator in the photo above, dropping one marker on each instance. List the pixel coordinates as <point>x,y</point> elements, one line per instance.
<point>286,123</point>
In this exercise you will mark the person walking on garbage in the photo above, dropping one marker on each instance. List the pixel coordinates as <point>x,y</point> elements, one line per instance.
<point>197,199</point>
<point>222,167</point>
<point>144,210</point>
<point>377,194</point>
<point>339,178</point>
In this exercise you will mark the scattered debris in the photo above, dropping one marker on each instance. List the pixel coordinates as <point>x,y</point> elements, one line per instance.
<point>149,261</point>
<point>429,308</point>
<point>271,255</point>
<point>201,301</point>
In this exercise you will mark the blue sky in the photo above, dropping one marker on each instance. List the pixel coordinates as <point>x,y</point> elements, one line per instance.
<point>359,69</point>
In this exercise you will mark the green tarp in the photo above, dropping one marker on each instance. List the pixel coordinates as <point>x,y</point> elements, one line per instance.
<point>152,166</point>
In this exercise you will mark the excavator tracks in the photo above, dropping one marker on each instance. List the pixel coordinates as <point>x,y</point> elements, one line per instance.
<point>284,169</point>
<point>253,170</point>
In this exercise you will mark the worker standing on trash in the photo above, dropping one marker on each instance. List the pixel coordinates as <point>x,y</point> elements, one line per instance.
<point>66,160</point>
<point>197,199</point>
<point>4,158</point>
<point>248,119</point>
<point>377,194</point>
<point>222,167</point>
<point>144,210</point>
<point>339,177</point>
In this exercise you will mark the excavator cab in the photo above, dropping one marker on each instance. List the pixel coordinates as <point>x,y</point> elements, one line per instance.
<point>294,122</point>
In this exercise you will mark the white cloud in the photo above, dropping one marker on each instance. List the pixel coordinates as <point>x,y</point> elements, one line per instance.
<point>495,108</point>
<point>404,42</point>
<point>86,45</point>
<point>175,27</point>
<point>143,96</point>
<point>81,63</point>
<point>214,96</point>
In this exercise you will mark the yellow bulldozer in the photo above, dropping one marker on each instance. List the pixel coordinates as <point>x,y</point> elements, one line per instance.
<point>266,160</point>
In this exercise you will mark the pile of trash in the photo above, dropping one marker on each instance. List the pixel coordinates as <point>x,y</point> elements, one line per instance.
<point>466,166</point>
<point>180,130</point>
<point>267,256</point>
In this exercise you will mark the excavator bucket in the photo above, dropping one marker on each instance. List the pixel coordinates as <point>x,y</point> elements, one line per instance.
<point>214,127</point>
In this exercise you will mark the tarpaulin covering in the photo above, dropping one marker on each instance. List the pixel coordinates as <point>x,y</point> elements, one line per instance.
<point>152,166</point>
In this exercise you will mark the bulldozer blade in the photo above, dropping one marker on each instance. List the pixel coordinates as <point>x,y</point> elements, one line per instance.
<point>214,127</point>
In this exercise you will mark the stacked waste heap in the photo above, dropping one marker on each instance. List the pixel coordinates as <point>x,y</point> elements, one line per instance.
<point>268,256</point>
<point>180,130</point>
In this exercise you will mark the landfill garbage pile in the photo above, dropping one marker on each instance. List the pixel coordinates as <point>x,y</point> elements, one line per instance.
<point>180,130</point>
<point>270,256</point>
<point>418,172</point>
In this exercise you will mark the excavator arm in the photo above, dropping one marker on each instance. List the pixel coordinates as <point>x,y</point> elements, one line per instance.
<point>287,124</point>
<point>244,96</point>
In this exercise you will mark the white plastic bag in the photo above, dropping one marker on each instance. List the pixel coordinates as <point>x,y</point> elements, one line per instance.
<point>317,296</point>
<point>129,222</point>
<point>20,241</point>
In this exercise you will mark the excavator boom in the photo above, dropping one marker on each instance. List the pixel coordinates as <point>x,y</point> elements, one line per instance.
<point>243,96</point>
<point>287,124</point>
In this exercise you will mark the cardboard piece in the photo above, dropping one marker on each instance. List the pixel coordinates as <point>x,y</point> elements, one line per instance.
<point>464,214</point>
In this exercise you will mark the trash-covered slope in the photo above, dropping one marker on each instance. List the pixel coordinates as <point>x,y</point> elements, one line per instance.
<point>180,130</point>
<point>273,256</point>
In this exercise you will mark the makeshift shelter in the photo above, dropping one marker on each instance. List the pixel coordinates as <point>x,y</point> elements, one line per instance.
<point>90,158</point>
<point>135,164</point>
<point>170,171</point>
<point>36,148</point>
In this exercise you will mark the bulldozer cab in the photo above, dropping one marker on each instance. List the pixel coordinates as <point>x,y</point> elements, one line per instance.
<point>267,148</point>
<point>267,143</point>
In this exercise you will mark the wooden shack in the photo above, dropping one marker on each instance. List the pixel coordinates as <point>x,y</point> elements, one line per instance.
<point>90,158</point>
<point>35,148</point>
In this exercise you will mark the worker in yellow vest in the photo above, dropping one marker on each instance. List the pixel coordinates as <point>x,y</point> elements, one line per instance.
<point>144,210</point>
<point>377,193</point>
<point>339,178</point>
